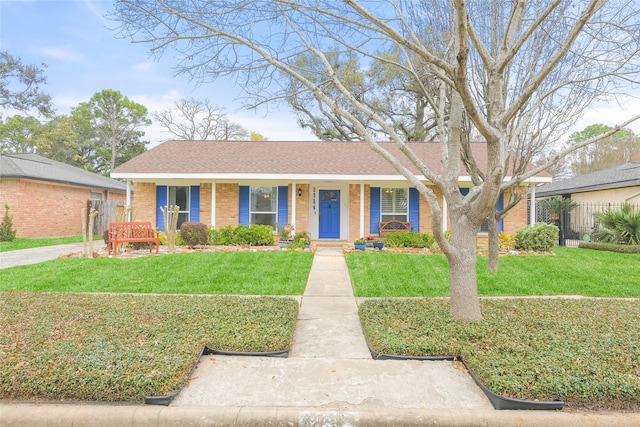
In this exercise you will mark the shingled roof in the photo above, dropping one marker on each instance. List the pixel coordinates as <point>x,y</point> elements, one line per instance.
<point>34,166</point>
<point>626,175</point>
<point>315,159</point>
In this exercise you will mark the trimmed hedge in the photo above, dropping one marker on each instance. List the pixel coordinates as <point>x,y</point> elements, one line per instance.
<point>611,247</point>
<point>194,234</point>
<point>409,240</point>
<point>255,235</point>
<point>540,237</point>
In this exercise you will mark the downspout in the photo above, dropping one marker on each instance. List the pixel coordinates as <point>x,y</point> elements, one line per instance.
<point>128,201</point>
<point>361,210</point>
<point>532,206</point>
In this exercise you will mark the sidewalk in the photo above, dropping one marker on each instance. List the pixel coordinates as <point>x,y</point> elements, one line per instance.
<point>329,379</point>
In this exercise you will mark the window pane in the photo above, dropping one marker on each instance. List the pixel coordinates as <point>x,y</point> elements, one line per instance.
<point>182,217</point>
<point>264,219</point>
<point>395,201</point>
<point>264,199</point>
<point>179,196</point>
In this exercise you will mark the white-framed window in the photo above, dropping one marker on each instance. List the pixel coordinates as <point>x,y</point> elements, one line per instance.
<point>394,204</point>
<point>179,196</point>
<point>264,206</point>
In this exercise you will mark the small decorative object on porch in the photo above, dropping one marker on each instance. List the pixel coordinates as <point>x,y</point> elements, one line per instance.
<point>284,236</point>
<point>360,244</point>
<point>378,244</point>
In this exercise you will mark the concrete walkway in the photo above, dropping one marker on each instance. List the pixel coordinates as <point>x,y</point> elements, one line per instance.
<point>328,380</point>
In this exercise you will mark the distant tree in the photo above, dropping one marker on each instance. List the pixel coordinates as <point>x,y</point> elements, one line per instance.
<point>17,134</point>
<point>619,148</point>
<point>255,136</point>
<point>58,140</point>
<point>20,86</point>
<point>193,119</point>
<point>111,124</point>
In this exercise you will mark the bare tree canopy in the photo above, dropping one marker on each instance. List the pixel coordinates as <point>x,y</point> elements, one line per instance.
<point>515,71</point>
<point>198,120</point>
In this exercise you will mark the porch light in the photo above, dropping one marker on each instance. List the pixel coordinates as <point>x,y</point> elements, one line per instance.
<point>299,191</point>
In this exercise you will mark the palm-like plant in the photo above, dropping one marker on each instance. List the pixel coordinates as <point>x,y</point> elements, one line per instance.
<point>619,226</point>
<point>557,204</point>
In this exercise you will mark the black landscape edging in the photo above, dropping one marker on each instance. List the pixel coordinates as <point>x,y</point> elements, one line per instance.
<point>499,402</point>
<point>166,400</point>
<point>508,403</point>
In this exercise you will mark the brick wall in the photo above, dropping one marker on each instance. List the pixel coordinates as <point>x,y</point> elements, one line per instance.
<point>517,216</point>
<point>205,203</point>
<point>42,209</point>
<point>144,202</point>
<point>227,202</point>
<point>354,213</point>
<point>302,207</point>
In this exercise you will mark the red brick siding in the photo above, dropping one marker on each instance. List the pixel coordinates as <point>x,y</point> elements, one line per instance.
<point>227,202</point>
<point>43,209</point>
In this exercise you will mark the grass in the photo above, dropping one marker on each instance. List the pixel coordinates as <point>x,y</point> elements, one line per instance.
<point>27,243</point>
<point>247,273</point>
<point>569,272</point>
<point>585,352</point>
<point>99,347</point>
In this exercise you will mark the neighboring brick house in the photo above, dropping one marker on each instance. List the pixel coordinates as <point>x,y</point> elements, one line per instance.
<point>334,190</point>
<point>46,197</point>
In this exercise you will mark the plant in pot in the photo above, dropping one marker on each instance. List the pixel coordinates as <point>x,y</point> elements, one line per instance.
<point>284,236</point>
<point>360,244</point>
<point>378,244</point>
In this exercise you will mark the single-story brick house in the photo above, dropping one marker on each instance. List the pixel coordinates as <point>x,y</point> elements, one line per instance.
<point>46,197</point>
<point>333,190</point>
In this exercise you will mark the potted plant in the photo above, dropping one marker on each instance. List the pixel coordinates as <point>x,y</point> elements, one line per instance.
<point>378,244</point>
<point>360,244</point>
<point>370,240</point>
<point>284,236</point>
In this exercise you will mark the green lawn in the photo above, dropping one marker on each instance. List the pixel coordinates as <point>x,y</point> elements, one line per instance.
<point>247,273</point>
<point>569,272</point>
<point>27,243</point>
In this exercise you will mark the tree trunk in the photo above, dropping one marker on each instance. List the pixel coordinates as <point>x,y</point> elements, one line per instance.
<point>494,244</point>
<point>465,304</point>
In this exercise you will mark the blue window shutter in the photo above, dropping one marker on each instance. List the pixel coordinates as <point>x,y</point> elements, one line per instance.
<point>162,197</point>
<point>243,213</point>
<point>283,205</point>
<point>499,207</point>
<point>374,210</point>
<point>414,209</point>
<point>464,191</point>
<point>194,204</point>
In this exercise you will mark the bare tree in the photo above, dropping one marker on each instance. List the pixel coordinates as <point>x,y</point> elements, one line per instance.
<point>197,120</point>
<point>475,54</point>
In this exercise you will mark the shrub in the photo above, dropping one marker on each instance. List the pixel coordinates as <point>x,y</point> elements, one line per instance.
<point>300,240</point>
<point>194,234</point>
<point>506,242</point>
<point>409,240</point>
<point>540,237</point>
<point>7,232</point>
<point>621,226</point>
<point>224,236</point>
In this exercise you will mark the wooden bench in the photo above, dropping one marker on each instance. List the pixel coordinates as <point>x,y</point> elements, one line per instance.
<point>131,232</point>
<point>393,226</point>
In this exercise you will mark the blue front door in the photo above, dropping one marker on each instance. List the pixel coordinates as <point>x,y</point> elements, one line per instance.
<point>329,214</point>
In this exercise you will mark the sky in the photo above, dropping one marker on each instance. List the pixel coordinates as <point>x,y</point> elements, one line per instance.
<point>83,54</point>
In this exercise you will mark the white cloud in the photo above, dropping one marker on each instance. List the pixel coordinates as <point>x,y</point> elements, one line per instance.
<point>65,54</point>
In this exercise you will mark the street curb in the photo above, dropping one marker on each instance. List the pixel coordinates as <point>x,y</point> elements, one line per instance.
<point>62,415</point>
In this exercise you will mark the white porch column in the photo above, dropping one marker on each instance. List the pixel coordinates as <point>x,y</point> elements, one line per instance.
<point>213,205</point>
<point>128,202</point>
<point>532,205</point>
<point>294,195</point>
<point>361,210</point>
